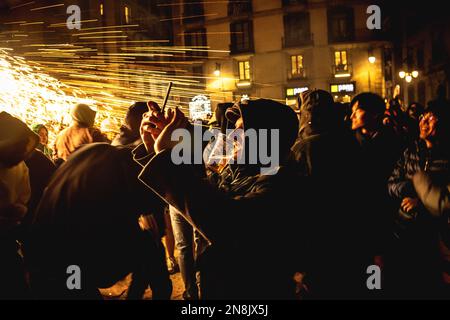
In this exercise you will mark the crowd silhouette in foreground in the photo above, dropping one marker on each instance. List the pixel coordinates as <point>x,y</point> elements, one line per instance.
<point>358,184</point>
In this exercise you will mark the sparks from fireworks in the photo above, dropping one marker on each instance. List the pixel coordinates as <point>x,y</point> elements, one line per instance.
<point>111,73</point>
<point>33,96</point>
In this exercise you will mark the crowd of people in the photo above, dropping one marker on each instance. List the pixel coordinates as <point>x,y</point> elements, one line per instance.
<point>358,184</point>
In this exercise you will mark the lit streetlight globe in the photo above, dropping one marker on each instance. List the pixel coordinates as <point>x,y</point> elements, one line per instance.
<point>415,74</point>
<point>408,78</point>
<point>402,74</point>
<point>372,59</point>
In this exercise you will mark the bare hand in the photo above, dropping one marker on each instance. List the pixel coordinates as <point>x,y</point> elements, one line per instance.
<point>177,121</point>
<point>409,204</point>
<point>152,124</point>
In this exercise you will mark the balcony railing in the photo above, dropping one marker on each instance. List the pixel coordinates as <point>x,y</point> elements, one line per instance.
<point>289,42</point>
<point>299,74</point>
<point>342,70</point>
<point>243,84</point>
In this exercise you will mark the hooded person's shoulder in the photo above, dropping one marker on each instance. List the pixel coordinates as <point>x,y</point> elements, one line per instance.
<point>281,178</point>
<point>17,141</point>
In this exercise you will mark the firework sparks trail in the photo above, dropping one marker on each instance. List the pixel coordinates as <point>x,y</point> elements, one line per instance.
<point>35,97</point>
<point>106,66</point>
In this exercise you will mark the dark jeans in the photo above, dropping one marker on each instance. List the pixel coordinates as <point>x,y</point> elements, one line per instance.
<point>153,272</point>
<point>12,275</point>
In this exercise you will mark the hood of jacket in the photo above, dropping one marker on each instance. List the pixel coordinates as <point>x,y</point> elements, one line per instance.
<point>264,114</point>
<point>17,141</point>
<point>317,113</point>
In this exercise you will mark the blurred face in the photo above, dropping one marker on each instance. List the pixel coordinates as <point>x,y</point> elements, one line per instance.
<point>428,125</point>
<point>359,117</point>
<point>43,136</point>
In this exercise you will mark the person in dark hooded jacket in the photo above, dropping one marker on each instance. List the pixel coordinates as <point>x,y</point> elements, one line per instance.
<point>153,270</point>
<point>79,133</point>
<point>129,134</point>
<point>253,249</point>
<point>88,218</point>
<point>436,200</point>
<point>415,251</point>
<point>380,149</point>
<point>326,153</point>
<point>17,142</point>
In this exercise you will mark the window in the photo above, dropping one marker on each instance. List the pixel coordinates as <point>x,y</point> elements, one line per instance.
<point>411,93</point>
<point>127,13</point>
<point>101,9</point>
<point>198,74</point>
<point>420,58</point>
<point>196,38</point>
<point>238,8</point>
<point>193,10</point>
<point>297,65</point>
<point>244,70</point>
<point>388,64</point>
<point>293,2</point>
<point>241,37</point>
<point>421,92</point>
<point>438,47</point>
<point>297,29</point>
<point>340,61</point>
<point>341,24</point>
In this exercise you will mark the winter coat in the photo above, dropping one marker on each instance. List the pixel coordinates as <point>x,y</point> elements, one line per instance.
<point>88,217</point>
<point>338,225</point>
<point>417,233</point>
<point>437,202</point>
<point>17,142</point>
<point>75,136</point>
<point>15,193</point>
<point>253,234</point>
<point>41,169</point>
<point>251,247</point>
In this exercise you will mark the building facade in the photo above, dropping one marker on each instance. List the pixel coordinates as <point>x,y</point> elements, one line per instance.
<point>278,48</point>
<point>425,48</point>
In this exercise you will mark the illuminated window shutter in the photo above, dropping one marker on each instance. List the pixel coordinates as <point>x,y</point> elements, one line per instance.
<point>293,65</point>
<point>300,62</point>
<point>337,58</point>
<point>127,14</point>
<point>344,57</point>
<point>241,71</point>
<point>247,70</point>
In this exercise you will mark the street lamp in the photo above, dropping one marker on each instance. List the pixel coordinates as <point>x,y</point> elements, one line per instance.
<point>408,76</point>
<point>371,57</point>
<point>217,70</point>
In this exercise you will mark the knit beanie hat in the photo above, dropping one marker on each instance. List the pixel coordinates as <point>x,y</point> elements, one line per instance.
<point>83,114</point>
